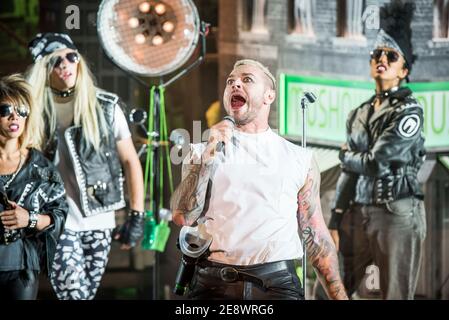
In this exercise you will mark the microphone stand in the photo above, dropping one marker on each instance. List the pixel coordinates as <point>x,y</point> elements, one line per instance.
<point>308,97</point>
<point>156,187</point>
<point>304,145</point>
<point>156,150</point>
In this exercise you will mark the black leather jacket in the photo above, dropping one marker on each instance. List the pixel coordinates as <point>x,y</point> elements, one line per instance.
<point>39,187</point>
<point>385,153</point>
<point>99,174</point>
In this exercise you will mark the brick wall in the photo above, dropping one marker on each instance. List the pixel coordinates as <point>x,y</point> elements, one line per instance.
<point>324,54</point>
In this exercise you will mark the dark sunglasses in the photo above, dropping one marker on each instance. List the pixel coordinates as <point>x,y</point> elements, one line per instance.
<point>6,110</point>
<point>72,57</point>
<point>392,56</point>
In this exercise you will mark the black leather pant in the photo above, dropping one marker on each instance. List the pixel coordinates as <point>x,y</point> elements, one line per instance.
<point>267,281</point>
<point>12,287</point>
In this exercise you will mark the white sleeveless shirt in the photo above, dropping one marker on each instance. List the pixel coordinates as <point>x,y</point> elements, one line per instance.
<point>252,212</point>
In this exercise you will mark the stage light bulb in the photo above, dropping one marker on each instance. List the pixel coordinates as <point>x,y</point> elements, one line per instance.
<point>148,50</point>
<point>157,40</point>
<point>139,38</point>
<point>168,26</point>
<point>133,22</point>
<point>144,7</point>
<point>160,9</point>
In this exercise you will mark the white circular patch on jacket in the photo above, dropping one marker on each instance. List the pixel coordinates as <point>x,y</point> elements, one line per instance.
<point>409,125</point>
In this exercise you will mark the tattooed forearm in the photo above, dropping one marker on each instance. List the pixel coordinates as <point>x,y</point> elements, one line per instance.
<point>321,252</point>
<point>190,196</point>
<point>305,204</point>
<point>318,242</point>
<point>184,197</point>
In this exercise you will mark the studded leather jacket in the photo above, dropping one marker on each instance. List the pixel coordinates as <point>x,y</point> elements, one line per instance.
<point>385,152</point>
<point>38,187</point>
<point>99,174</point>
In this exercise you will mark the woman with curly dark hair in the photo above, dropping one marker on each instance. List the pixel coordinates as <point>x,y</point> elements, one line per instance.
<point>32,196</point>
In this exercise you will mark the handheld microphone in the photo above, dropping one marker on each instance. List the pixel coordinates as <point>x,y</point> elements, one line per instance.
<point>184,275</point>
<point>221,144</point>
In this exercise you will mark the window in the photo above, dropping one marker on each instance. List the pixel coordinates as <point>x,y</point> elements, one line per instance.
<point>247,9</point>
<point>254,14</point>
<point>258,17</point>
<point>301,13</point>
<point>349,18</point>
<point>441,19</point>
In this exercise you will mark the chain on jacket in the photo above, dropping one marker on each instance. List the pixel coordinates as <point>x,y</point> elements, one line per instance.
<point>98,173</point>
<point>385,153</point>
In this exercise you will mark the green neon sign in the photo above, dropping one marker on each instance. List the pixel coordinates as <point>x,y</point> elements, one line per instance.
<point>326,120</point>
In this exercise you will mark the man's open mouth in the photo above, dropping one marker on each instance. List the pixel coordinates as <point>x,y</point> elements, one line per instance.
<point>237,101</point>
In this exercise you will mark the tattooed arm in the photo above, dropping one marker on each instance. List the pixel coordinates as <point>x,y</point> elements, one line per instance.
<point>319,245</point>
<point>187,201</point>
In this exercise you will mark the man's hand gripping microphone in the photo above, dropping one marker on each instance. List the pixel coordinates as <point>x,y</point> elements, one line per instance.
<point>221,144</point>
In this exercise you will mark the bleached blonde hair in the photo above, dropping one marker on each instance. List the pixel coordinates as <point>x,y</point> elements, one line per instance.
<point>87,112</point>
<point>15,89</point>
<point>259,65</point>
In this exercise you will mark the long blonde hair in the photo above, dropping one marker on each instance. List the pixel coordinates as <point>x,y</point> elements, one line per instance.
<point>15,89</point>
<point>87,112</point>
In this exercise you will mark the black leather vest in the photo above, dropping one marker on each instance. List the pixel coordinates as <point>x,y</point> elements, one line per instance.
<point>98,173</point>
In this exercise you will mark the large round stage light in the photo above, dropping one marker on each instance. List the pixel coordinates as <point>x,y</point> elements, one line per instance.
<point>148,38</point>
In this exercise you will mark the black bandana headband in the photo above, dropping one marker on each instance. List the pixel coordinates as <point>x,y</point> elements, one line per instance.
<point>383,40</point>
<point>395,29</point>
<point>47,43</point>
